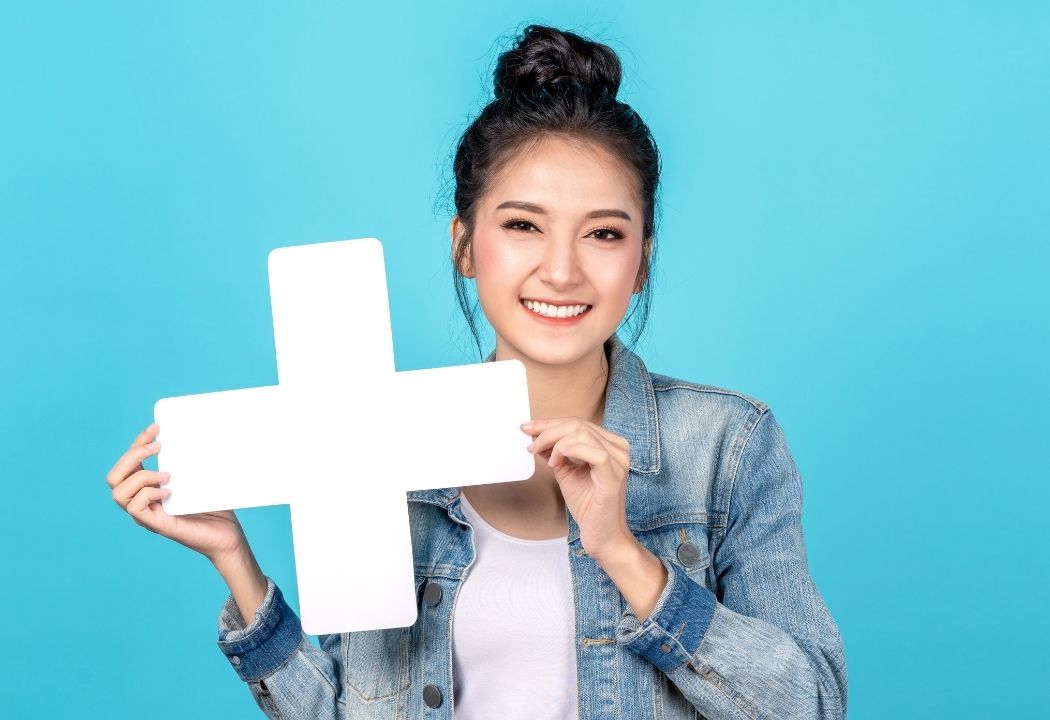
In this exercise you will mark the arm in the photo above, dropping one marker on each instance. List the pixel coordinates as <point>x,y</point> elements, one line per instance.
<point>285,673</point>
<point>766,646</point>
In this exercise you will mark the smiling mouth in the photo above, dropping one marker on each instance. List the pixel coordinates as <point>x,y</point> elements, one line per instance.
<point>555,312</point>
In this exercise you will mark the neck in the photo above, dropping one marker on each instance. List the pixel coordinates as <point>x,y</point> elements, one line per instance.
<point>571,390</point>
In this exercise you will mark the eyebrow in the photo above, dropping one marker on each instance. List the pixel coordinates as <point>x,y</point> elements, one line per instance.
<point>531,207</point>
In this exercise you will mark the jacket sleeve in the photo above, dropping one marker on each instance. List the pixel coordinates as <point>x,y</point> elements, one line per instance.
<point>286,674</point>
<point>765,646</point>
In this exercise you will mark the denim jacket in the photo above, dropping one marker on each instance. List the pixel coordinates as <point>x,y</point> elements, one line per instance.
<point>739,629</point>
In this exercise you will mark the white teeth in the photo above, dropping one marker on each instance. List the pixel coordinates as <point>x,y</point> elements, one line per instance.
<point>555,311</point>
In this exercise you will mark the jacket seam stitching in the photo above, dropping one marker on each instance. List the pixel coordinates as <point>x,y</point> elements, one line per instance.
<point>751,712</point>
<point>653,429</point>
<point>317,671</point>
<point>819,677</point>
<point>262,619</point>
<point>753,402</point>
<point>737,462</point>
<point>284,663</point>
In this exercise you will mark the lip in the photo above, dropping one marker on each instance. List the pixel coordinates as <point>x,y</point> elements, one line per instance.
<point>553,302</point>
<point>556,321</point>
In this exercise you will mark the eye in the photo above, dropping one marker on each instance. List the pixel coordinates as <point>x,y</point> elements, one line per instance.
<point>517,224</point>
<point>523,225</point>
<point>615,234</point>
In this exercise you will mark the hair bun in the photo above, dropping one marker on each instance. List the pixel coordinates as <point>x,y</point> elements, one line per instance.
<point>546,56</point>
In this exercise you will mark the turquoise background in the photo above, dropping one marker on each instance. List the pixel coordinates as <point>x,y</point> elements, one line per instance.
<point>854,230</point>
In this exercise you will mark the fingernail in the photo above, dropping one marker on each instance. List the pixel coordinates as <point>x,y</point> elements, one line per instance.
<point>164,477</point>
<point>530,446</point>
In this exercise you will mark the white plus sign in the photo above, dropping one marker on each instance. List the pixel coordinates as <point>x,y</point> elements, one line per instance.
<point>343,437</point>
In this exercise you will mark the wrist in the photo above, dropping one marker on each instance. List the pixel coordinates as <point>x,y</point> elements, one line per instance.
<point>242,574</point>
<point>638,574</point>
<point>237,562</point>
<point>624,553</point>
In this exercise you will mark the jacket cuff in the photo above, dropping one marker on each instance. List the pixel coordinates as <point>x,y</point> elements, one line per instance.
<point>672,633</point>
<point>256,650</point>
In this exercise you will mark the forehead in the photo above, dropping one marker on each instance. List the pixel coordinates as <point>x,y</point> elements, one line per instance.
<point>565,174</point>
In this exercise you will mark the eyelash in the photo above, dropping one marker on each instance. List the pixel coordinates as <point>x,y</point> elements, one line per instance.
<point>509,225</point>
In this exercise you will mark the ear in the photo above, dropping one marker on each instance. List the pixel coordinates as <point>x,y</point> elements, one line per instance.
<point>457,230</point>
<point>639,282</point>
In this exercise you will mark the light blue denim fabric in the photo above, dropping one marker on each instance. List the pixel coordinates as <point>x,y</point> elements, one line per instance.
<point>739,630</point>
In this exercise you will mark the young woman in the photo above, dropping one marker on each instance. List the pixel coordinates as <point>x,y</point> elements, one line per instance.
<point>654,565</point>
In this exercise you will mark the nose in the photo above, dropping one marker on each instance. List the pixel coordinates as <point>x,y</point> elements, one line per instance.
<point>560,268</point>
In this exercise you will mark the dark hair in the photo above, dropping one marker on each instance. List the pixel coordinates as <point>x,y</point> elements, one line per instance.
<point>553,82</point>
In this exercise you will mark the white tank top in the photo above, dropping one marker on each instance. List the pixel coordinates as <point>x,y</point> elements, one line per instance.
<point>514,629</point>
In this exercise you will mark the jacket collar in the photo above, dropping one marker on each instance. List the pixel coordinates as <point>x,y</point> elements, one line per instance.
<point>630,411</point>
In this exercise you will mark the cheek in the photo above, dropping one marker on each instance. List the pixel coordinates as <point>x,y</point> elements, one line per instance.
<point>485,254</point>
<point>489,265</point>
<point>496,261</point>
<point>619,271</point>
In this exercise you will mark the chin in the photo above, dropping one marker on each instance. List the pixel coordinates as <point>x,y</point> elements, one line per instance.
<point>561,351</point>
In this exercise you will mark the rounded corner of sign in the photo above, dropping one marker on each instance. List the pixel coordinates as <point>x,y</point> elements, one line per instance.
<point>372,244</point>
<point>527,466</point>
<point>519,371</point>
<point>410,618</point>
<point>512,364</point>
<point>273,256</point>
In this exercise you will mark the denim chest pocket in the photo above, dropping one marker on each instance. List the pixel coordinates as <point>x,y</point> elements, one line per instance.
<point>375,662</point>
<point>684,544</point>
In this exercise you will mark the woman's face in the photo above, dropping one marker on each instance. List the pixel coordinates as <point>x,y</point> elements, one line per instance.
<point>561,224</point>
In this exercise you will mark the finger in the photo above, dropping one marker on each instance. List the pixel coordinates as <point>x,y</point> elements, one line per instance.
<point>623,449</point>
<point>556,431</point>
<point>611,460</point>
<point>575,438</point>
<point>139,507</point>
<point>610,438</point>
<point>150,433</point>
<point>146,436</point>
<point>616,445</point>
<point>126,490</point>
<point>582,433</point>
<point>579,452</point>
<point>131,461</point>
<point>535,427</point>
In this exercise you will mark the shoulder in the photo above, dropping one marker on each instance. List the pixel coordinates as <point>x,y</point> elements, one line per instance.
<point>701,431</point>
<point>721,434</point>
<point>685,402</point>
<point>692,413</point>
<point>699,393</point>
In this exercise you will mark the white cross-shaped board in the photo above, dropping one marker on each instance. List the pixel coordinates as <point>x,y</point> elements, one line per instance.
<point>342,437</point>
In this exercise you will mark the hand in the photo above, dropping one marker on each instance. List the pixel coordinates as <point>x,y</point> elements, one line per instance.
<point>136,490</point>
<point>590,465</point>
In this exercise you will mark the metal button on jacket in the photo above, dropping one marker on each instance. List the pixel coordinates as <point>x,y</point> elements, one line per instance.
<point>432,594</point>
<point>688,554</point>
<point>431,696</point>
<point>235,660</point>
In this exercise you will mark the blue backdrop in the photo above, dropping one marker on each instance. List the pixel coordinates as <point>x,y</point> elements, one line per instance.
<point>854,230</point>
